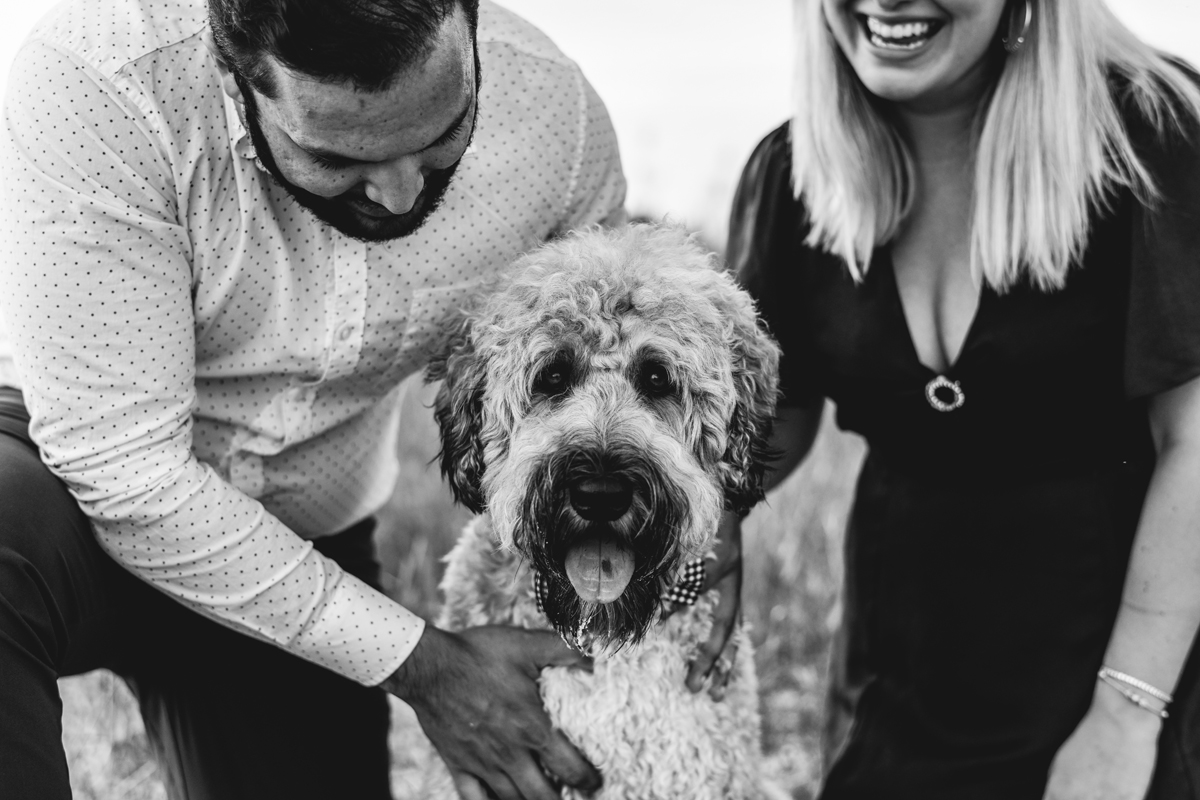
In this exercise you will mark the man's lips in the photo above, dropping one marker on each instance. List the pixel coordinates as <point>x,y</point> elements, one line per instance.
<point>370,209</point>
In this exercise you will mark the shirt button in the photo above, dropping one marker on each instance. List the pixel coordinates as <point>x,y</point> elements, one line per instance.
<point>346,332</point>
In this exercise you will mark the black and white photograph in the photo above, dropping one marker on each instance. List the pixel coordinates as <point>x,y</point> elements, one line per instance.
<point>560,400</point>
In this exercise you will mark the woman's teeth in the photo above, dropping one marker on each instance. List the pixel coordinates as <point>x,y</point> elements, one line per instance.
<point>907,36</point>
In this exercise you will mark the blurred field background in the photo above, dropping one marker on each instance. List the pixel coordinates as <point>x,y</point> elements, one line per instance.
<point>691,86</point>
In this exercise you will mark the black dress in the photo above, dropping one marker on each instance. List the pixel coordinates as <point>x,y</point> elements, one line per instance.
<point>987,546</point>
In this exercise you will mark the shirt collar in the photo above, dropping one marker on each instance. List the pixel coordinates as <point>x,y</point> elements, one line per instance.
<point>239,137</point>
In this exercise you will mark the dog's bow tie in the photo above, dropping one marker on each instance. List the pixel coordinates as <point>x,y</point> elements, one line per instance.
<point>687,587</point>
<point>684,591</point>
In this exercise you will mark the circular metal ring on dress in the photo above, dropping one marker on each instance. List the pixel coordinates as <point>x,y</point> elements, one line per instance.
<point>944,394</point>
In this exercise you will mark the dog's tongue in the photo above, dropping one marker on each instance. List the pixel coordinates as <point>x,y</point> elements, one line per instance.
<point>599,569</point>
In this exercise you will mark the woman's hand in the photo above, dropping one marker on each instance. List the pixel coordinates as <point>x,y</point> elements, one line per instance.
<point>792,436</point>
<point>1110,756</point>
<point>715,658</point>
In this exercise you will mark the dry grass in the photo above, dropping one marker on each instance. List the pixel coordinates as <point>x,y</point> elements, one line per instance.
<point>793,570</point>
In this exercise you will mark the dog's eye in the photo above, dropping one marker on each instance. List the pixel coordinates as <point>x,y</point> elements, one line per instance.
<point>554,379</point>
<point>655,380</point>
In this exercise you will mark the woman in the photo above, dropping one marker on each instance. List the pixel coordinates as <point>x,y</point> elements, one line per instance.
<point>980,237</point>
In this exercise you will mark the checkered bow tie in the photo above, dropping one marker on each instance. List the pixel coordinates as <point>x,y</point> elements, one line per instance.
<point>684,591</point>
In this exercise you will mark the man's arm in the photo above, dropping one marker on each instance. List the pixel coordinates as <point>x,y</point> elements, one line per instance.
<point>96,293</point>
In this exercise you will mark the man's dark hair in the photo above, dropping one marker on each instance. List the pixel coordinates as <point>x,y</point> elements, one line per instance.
<point>366,43</point>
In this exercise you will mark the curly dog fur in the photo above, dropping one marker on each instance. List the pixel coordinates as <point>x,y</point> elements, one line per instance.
<point>602,406</point>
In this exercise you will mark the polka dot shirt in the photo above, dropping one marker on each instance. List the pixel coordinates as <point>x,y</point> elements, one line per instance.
<point>210,369</point>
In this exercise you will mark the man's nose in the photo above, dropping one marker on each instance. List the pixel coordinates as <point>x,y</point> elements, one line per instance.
<point>396,185</point>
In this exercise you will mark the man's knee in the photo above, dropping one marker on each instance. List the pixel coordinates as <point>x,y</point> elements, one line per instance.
<point>61,596</point>
<point>38,516</point>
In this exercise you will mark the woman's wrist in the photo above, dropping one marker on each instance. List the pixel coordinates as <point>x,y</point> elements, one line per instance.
<point>1117,707</point>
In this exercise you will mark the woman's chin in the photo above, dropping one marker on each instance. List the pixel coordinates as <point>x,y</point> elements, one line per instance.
<point>895,86</point>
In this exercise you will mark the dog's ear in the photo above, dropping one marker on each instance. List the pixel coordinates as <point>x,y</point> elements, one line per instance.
<point>756,382</point>
<point>458,409</point>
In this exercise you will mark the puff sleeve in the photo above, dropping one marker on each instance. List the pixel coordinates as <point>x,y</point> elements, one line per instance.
<point>1162,342</point>
<point>766,253</point>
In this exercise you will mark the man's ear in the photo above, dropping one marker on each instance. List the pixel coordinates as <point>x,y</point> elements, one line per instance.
<point>228,84</point>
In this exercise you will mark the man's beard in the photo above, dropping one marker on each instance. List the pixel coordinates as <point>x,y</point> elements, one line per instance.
<point>337,211</point>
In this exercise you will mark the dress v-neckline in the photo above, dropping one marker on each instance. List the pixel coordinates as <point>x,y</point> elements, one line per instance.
<point>884,262</point>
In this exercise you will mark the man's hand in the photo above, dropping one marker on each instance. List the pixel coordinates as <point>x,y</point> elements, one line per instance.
<point>716,656</point>
<point>476,696</point>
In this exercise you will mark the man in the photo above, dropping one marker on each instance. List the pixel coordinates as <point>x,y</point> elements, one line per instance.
<point>228,233</point>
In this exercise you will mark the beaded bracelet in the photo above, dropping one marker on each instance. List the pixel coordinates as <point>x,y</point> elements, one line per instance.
<point>1136,683</point>
<point>1133,697</point>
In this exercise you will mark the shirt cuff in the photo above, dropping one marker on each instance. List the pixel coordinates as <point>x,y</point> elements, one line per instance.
<point>361,633</point>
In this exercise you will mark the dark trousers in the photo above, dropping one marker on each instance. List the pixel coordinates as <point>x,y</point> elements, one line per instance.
<point>229,717</point>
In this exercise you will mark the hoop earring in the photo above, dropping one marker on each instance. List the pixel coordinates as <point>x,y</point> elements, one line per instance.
<point>1013,43</point>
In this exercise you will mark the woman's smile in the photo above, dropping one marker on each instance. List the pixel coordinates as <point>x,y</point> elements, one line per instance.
<point>928,53</point>
<point>901,36</point>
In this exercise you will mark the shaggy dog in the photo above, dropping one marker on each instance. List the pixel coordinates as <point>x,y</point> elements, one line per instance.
<point>600,409</point>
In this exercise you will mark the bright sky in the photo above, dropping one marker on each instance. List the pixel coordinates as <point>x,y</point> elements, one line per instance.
<point>692,84</point>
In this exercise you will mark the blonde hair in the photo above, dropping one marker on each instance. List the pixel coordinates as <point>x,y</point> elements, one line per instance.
<point>1051,144</point>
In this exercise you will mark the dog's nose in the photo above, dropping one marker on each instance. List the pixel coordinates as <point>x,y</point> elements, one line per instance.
<point>601,499</point>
